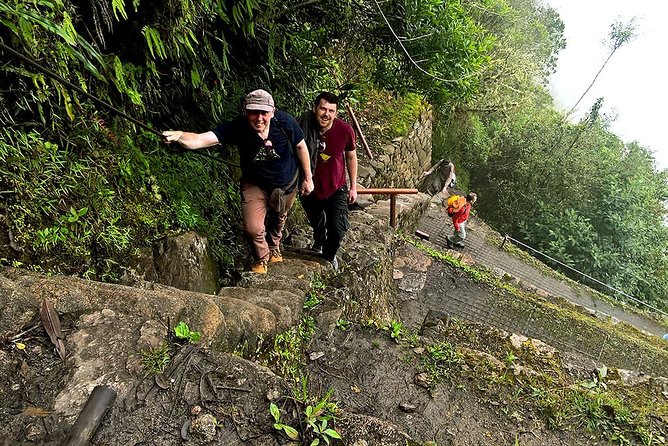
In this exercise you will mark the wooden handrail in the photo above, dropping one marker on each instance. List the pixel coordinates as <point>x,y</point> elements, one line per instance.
<point>386,191</point>
<point>393,199</point>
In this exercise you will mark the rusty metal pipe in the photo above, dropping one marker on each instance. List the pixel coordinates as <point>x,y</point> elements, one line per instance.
<point>91,415</point>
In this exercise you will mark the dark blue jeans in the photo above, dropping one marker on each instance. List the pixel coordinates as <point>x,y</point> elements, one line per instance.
<point>329,219</point>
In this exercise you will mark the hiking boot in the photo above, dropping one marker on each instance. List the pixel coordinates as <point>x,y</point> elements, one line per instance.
<point>448,243</point>
<point>275,256</point>
<point>259,267</point>
<point>315,248</point>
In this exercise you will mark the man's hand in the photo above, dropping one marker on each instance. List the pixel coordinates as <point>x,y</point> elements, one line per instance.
<point>190,141</point>
<point>352,195</point>
<point>307,186</point>
<point>172,135</point>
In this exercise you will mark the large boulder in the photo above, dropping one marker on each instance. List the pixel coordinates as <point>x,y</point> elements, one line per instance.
<point>185,262</point>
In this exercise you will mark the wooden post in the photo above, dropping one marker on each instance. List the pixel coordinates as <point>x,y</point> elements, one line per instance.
<point>393,199</point>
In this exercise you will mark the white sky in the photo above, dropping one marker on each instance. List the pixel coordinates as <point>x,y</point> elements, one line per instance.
<point>633,84</point>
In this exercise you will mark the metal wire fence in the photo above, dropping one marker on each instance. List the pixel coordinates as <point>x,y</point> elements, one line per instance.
<point>587,276</point>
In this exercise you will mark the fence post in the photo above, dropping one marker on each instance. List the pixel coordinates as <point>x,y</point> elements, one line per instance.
<point>505,239</point>
<point>393,211</point>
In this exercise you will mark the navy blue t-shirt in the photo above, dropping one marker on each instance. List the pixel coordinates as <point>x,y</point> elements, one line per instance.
<point>268,164</point>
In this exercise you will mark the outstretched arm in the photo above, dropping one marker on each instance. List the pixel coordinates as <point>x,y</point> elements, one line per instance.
<point>191,141</point>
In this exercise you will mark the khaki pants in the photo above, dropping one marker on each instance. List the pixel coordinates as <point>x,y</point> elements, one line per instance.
<point>264,226</point>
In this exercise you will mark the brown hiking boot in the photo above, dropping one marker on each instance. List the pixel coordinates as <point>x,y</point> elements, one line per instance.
<point>259,267</point>
<point>275,256</point>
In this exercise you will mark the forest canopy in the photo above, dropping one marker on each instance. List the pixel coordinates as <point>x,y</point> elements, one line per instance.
<point>82,189</point>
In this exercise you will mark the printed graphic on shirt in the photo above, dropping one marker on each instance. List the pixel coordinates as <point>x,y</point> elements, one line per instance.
<point>267,152</point>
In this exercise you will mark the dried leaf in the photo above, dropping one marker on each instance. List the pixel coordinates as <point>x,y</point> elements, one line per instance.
<point>32,411</point>
<point>20,346</point>
<point>51,323</point>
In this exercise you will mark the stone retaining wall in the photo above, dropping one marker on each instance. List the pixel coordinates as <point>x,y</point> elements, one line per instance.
<point>402,162</point>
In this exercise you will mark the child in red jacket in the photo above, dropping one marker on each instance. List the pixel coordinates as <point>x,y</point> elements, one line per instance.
<point>459,210</point>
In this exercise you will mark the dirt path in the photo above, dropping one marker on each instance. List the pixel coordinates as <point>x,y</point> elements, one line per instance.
<point>438,226</point>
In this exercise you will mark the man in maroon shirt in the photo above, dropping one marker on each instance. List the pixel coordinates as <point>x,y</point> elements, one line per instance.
<point>331,144</point>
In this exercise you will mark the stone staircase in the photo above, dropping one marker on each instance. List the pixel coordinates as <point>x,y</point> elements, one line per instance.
<point>106,325</point>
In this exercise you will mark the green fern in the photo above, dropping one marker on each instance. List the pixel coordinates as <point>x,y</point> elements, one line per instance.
<point>118,6</point>
<point>154,42</point>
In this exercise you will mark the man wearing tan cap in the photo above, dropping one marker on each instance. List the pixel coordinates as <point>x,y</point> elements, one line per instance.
<point>271,147</point>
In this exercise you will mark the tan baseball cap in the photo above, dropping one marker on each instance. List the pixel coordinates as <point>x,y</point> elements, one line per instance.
<point>259,100</point>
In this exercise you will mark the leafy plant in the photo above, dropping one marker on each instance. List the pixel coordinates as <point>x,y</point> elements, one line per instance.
<point>290,431</point>
<point>510,357</point>
<point>155,360</point>
<point>343,324</point>
<point>287,350</point>
<point>182,331</point>
<point>314,297</point>
<point>312,300</point>
<point>318,418</point>
<point>439,361</point>
<point>394,328</point>
<point>597,380</point>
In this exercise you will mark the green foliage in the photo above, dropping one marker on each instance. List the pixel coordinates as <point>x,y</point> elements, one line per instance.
<point>440,361</point>
<point>343,324</point>
<point>547,389</point>
<point>597,380</point>
<point>155,360</point>
<point>395,329</point>
<point>291,432</point>
<point>573,191</point>
<point>182,331</point>
<point>286,354</point>
<point>446,51</point>
<point>319,417</point>
<point>185,64</point>
<point>312,300</point>
<point>597,206</point>
<point>510,357</point>
<point>315,295</point>
<point>387,116</point>
<point>316,419</point>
